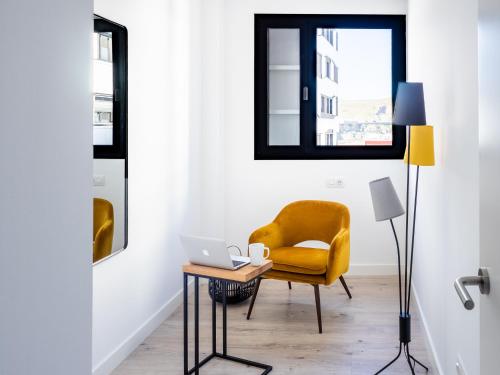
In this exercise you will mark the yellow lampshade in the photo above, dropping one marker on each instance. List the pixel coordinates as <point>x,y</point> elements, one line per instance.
<point>422,146</point>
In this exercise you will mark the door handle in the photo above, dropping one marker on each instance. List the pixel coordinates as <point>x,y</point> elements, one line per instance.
<point>482,280</point>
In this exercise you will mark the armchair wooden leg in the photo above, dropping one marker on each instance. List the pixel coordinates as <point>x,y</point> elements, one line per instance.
<point>318,307</point>
<point>289,285</point>
<point>256,290</point>
<point>345,286</point>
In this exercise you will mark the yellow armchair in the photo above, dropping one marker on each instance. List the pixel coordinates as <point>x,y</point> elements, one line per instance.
<point>103,229</point>
<point>302,221</point>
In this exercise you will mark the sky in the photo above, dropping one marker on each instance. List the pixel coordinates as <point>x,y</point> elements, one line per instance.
<point>364,63</point>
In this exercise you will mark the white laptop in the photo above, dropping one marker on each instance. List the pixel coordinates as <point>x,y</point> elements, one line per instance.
<point>211,252</point>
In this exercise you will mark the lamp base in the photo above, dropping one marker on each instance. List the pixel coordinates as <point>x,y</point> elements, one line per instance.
<point>405,328</point>
<point>404,340</point>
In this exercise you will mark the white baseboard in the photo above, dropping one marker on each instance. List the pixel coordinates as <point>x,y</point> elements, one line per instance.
<point>117,356</point>
<point>372,269</point>
<point>428,338</point>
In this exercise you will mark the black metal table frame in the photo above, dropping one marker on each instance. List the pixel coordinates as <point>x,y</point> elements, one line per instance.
<point>215,354</point>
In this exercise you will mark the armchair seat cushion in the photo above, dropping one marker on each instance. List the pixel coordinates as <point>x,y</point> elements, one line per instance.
<point>304,260</point>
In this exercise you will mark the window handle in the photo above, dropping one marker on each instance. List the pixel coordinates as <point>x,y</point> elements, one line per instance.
<point>305,93</point>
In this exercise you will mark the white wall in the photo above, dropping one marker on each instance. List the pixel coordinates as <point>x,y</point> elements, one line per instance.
<point>132,290</point>
<point>257,190</point>
<point>45,193</point>
<point>442,40</point>
<point>212,132</point>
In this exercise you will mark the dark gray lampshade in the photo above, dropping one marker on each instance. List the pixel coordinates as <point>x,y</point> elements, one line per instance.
<point>410,105</point>
<point>386,204</point>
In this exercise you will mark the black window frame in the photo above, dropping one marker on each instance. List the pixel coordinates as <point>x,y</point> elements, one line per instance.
<point>308,24</point>
<point>118,150</point>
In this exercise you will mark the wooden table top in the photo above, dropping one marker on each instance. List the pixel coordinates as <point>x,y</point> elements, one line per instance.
<point>242,275</point>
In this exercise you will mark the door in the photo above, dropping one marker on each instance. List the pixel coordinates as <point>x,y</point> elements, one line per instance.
<point>489,169</point>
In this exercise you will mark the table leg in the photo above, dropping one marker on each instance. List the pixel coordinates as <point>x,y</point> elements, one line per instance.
<point>196,325</point>
<point>198,364</point>
<point>185,304</point>
<point>224,317</point>
<point>214,318</point>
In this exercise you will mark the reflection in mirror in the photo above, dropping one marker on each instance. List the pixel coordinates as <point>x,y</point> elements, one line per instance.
<point>110,144</point>
<point>103,88</point>
<point>109,192</point>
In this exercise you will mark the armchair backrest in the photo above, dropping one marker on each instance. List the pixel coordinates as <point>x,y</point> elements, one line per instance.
<point>103,228</point>
<point>103,211</point>
<point>312,220</point>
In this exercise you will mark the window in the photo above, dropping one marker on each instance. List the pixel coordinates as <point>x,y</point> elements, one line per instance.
<point>329,106</point>
<point>329,138</point>
<point>328,34</point>
<point>319,65</point>
<point>109,89</point>
<point>105,46</point>
<point>325,86</point>
<point>328,67</point>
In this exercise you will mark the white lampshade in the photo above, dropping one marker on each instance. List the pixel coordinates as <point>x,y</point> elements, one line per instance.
<point>386,204</point>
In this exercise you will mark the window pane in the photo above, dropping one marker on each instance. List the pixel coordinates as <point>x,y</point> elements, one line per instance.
<point>354,97</point>
<point>284,87</point>
<point>103,89</point>
<point>284,129</point>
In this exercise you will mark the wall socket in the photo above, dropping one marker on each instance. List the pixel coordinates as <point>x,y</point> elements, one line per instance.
<point>335,182</point>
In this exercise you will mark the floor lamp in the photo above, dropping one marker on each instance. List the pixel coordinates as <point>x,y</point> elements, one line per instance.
<point>409,111</point>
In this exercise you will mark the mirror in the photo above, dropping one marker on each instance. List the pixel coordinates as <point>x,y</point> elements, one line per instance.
<point>109,65</point>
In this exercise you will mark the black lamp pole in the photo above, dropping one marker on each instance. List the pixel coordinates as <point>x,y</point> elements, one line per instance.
<point>404,315</point>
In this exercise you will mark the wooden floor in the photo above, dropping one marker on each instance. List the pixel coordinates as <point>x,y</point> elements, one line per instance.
<point>359,335</point>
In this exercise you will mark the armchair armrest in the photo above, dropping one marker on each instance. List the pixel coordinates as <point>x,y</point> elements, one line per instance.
<point>270,235</point>
<point>338,257</point>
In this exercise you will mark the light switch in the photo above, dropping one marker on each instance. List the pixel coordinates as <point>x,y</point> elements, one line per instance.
<point>336,182</point>
<point>99,180</point>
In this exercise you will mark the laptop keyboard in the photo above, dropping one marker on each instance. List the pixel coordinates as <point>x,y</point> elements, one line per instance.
<point>236,263</point>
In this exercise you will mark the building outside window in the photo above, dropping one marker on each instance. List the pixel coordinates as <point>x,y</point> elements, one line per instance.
<point>360,122</point>
<point>327,90</point>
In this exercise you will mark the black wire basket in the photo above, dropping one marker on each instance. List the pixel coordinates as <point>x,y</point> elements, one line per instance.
<point>236,292</point>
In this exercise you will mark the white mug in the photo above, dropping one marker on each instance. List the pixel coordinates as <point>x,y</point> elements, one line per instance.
<point>256,252</point>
